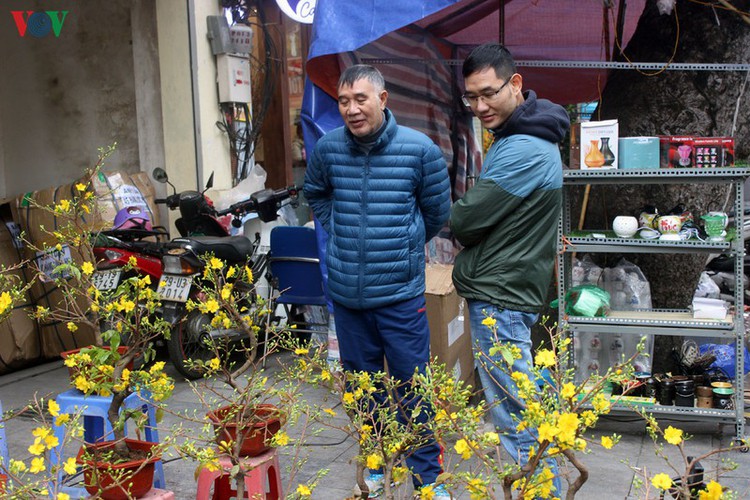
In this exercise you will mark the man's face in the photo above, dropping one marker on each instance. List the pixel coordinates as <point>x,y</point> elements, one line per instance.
<point>361,107</point>
<point>492,99</point>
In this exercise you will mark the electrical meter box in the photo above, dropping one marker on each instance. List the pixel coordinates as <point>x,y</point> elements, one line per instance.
<point>233,78</point>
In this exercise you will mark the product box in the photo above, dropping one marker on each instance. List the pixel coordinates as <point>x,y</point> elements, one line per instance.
<point>450,337</point>
<point>638,152</point>
<point>594,145</point>
<point>676,151</point>
<point>19,339</point>
<point>713,152</point>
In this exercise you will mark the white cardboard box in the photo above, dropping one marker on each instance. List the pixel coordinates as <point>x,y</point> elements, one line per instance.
<point>599,148</point>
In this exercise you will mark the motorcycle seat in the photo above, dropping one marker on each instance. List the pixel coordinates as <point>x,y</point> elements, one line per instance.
<point>233,249</point>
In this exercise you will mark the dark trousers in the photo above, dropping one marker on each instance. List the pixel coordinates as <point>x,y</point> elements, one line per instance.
<point>399,334</point>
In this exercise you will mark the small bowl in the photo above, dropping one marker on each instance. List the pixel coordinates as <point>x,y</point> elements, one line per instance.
<point>721,385</point>
<point>723,391</point>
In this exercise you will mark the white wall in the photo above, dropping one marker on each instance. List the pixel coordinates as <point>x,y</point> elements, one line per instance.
<point>62,98</point>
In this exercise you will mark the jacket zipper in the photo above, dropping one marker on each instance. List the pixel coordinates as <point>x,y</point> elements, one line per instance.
<point>363,228</point>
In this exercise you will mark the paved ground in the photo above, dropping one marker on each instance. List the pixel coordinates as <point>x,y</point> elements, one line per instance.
<point>612,472</point>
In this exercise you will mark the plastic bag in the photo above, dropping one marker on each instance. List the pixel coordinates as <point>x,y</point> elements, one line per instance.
<point>725,357</point>
<point>627,286</point>
<point>707,288</point>
<point>585,272</point>
<point>255,181</point>
<point>585,300</point>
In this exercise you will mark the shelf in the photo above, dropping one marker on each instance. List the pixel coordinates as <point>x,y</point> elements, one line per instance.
<point>654,175</point>
<point>678,412</point>
<point>654,322</point>
<point>641,245</point>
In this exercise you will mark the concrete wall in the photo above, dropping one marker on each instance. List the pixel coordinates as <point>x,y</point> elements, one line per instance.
<point>63,97</point>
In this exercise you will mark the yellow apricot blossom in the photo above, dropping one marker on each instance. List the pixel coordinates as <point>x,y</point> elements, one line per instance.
<point>545,358</point>
<point>489,322</point>
<point>662,481</point>
<point>673,435</point>
<point>5,302</point>
<point>53,408</point>
<point>303,491</point>
<point>374,461</point>
<point>87,268</point>
<point>713,491</point>
<point>568,390</point>
<point>607,442</point>
<point>70,466</point>
<point>464,448</point>
<point>37,465</point>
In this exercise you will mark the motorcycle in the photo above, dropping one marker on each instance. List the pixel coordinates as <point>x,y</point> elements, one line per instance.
<point>201,234</point>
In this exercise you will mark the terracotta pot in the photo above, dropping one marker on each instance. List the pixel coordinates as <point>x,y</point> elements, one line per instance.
<point>102,477</point>
<point>257,430</point>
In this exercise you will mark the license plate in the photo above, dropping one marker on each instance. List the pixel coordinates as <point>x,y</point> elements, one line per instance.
<point>106,280</point>
<point>174,287</point>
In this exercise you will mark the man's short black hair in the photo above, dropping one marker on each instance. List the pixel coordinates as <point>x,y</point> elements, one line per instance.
<point>490,55</point>
<point>360,72</point>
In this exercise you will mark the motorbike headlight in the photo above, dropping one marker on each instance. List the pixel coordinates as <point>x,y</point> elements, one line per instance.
<point>113,254</point>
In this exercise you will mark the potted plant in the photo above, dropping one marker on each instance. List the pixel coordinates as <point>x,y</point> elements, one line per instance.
<point>248,419</point>
<point>132,325</point>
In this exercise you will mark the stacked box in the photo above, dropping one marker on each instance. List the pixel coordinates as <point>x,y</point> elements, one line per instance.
<point>113,191</point>
<point>450,337</point>
<point>676,151</point>
<point>639,152</point>
<point>598,145</point>
<point>19,340</point>
<point>713,152</point>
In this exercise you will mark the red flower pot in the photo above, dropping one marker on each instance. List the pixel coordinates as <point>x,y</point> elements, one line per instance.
<point>122,480</point>
<point>256,429</point>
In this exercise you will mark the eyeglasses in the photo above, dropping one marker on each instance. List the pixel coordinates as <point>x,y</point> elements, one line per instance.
<point>487,97</point>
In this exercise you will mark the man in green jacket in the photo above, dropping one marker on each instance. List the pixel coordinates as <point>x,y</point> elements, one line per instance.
<point>507,224</point>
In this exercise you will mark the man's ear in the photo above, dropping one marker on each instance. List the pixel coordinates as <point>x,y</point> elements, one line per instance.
<point>517,82</point>
<point>383,99</point>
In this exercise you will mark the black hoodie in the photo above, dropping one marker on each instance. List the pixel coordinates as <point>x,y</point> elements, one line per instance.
<point>538,117</point>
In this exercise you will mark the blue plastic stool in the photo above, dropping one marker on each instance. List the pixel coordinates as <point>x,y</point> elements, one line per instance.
<point>97,426</point>
<point>3,441</point>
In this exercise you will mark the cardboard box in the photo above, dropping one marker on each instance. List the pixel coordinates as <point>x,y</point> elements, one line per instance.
<point>598,145</point>
<point>19,339</point>
<point>712,152</point>
<point>450,337</point>
<point>676,151</point>
<point>638,152</point>
<point>113,191</point>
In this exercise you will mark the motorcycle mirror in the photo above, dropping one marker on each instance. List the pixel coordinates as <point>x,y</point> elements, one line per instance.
<point>160,175</point>
<point>210,182</point>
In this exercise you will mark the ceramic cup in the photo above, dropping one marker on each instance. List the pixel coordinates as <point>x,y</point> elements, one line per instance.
<point>669,224</point>
<point>714,224</point>
<point>625,226</point>
<point>646,219</point>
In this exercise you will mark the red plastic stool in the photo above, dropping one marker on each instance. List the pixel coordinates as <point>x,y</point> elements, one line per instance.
<point>261,471</point>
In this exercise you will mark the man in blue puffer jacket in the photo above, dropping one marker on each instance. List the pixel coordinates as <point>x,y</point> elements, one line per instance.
<point>381,191</point>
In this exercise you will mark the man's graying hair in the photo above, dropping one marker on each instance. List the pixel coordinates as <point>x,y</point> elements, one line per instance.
<point>490,55</point>
<point>359,72</point>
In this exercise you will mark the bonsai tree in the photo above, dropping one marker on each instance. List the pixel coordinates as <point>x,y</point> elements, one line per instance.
<point>124,318</point>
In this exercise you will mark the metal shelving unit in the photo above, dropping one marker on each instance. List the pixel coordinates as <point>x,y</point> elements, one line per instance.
<point>660,322</point>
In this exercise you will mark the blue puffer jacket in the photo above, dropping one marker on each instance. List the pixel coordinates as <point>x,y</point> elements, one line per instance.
<point>378,208</point>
